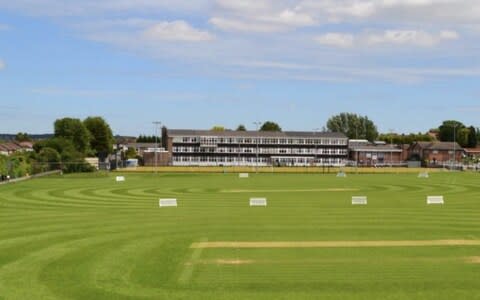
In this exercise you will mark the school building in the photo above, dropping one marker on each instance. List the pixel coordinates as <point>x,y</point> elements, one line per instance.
<point>254,148</point>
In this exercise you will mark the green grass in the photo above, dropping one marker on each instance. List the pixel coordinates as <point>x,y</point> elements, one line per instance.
<point>88,237</point>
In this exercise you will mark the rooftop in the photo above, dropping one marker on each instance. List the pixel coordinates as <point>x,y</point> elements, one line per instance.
<point>438,145</point>
<point>228,133</point>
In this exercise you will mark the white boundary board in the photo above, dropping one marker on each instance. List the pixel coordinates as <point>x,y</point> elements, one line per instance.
<point>258,201</point>
<point>359,200</point>
<point>243,175</point>
<point>120,178</point>
<point>167,203</point>
<point>435,200</point>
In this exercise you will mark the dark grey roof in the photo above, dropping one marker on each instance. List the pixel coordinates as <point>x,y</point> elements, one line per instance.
<point>439,145</point>
<point>289,134</point>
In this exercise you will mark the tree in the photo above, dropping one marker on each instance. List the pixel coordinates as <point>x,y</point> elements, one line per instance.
<point>241,127</point>
<point>472,137</point>
<point>400,139</point>
<point>148,139</point>
<point>270,126</point>
<point>353,126</point>
<point>75,131</point>
<point>22,137</point>
<point>58,143</point>
<point>101,140</point>
<point>449,128</point>
<point>130,153</point>
<point>49,159</point>
<point>218,128</point>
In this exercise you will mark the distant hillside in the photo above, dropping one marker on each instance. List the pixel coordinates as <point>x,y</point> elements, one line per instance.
<point>35,137</point>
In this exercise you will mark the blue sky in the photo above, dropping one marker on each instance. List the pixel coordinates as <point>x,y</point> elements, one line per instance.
<point>406,64</point>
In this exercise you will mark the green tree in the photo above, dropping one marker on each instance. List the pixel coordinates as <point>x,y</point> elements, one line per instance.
<point>18,165</point>
<point>399,139</point>
<point>270,126</point>
<point>148,139</point>
<point>130,153</point>
<point>472,137</point>
<point>101,141</point>
<point>218,128</point>
<point>58,143</point>
<point>75,131</point>
<point>22,137</point>
<point>3,164</point>
<point>449,128</point>
<point>353,126</point>
<point>241,127</point>
<point>48,159</point>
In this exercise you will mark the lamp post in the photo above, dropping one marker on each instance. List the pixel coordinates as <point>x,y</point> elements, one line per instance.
<point>454,144</point>
<point>156,123</point>
<point>391,148</point>
<point>257,124</point>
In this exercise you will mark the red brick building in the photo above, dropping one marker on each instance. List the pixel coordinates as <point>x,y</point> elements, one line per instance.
<point>436,153</point>
<point>364,153</point>
<point>472,152</point>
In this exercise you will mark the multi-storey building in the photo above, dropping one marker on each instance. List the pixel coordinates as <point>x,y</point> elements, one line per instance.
<point>250,148</point>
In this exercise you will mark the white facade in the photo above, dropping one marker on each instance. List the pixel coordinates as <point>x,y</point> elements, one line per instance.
<point>229,148</point>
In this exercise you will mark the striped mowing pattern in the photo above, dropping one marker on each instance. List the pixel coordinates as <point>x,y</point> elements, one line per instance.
<point>87,237</point>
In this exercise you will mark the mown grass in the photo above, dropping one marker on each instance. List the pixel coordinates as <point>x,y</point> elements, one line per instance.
<point>89,237</point>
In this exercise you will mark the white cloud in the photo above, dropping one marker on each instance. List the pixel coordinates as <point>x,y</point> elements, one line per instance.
<point>244,6</point>
<point>449,35</point>
<point>410,75</point>
<point>383,27</point>
<point>417,38</point>
<point>244,26</point>
<point>2,64</point>
<point>411,37</point>
<point>431,12</point>
<point>4,27</point>
<point>259,16</point>
<point>289,17</point>
<point>341,40</point>
<point>176,31</point>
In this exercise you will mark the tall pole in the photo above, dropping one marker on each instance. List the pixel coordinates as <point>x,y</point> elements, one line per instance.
<point>156,123</point>
<point>257,124</point>
<point>391,148</point>
<point>454,143</point>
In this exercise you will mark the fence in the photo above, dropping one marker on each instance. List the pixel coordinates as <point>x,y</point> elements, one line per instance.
<point>31,177</point>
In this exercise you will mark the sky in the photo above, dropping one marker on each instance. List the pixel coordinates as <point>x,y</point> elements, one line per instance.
<point>406,64</point>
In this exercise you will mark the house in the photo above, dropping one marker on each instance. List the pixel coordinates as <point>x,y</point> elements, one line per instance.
<point>9,148</point>
<point>473,153</point>
<point>435,153</point>
<point>365,153</point>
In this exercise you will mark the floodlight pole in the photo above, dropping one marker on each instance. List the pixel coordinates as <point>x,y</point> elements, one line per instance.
<point>156,123</point>
<point>454,142</point>
<point>257,124</point>
<point>391,148</point>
